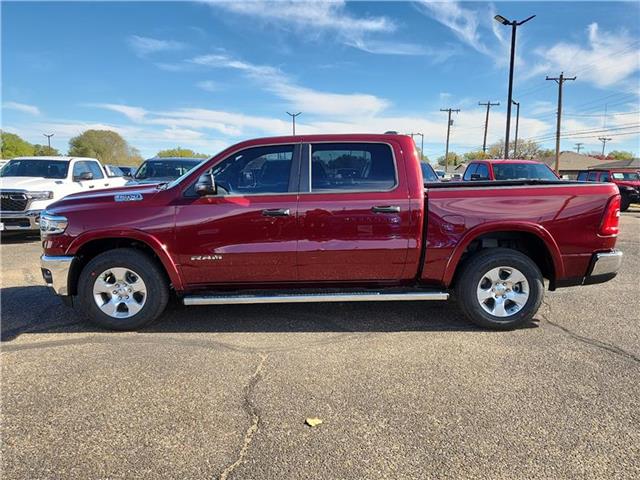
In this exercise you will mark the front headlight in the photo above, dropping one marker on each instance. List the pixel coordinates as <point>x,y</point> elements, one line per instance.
<point>52,224</point>
<point>40,195</point>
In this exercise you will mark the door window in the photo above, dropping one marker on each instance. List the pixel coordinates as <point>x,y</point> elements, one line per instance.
<point>95,168</point>
<point>256,170</point>
<point>352,167</point>
<point>471,169</point>
<point>79,168</point>
<point>593,176</point>
<point>582,176</point>
<point>482,171</point>
<point>605,177</point>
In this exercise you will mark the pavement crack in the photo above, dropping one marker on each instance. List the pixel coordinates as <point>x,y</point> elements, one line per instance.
<point>609,347</point>
<point>252,410</point>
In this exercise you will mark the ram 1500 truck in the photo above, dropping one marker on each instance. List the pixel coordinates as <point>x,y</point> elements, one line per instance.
<point>327,218</point>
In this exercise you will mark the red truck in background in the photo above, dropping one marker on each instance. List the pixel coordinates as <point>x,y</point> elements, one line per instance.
<point>327,218</point>
<point>627,180</point>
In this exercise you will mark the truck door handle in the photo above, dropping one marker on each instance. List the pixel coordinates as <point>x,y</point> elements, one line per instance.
<point>386,209</point>
<point>91,186</point>
<point>276,212</point>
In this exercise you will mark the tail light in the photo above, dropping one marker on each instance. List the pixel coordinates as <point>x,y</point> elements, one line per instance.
<point>611,218</point>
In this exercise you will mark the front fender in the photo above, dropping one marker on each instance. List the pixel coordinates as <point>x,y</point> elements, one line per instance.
<point>150,241</point>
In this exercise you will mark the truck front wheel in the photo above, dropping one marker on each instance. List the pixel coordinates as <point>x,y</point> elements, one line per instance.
<point>625,203</point>
<point>500,288</point>
<point>122,289</point>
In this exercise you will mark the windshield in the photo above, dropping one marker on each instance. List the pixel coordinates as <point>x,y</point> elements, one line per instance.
<point>35,168</point>
<point>428,175</point>
<point>522,171</point>
<point>626,176</point>
<point>165,169</point>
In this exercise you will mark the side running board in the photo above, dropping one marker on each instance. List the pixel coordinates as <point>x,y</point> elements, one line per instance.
<point>238,299</point>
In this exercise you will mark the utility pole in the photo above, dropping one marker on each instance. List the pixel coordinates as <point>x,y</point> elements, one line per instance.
<point>293,118</point>
<point>515,141</point>
<point>49,135</point>
<point>560,81</point>
<point>604,141</point>
<point>579,147</point>
<point>486,122</point>
<point>421,144</point>
<point>514,24</point>
<point>449,123</point>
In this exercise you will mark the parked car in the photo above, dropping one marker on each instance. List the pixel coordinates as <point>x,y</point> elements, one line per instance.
<point>275,220</point>
<point>508,170</point>
<point>29,184</point>
<point>628,182</point>
<point>162,170</point>
<point>428,173</point>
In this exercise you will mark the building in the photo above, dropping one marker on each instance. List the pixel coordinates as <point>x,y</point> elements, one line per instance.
<point>633,164</point>
<point>571,163</point>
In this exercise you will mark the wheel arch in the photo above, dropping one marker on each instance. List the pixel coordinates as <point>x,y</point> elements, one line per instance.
<point>531,239</point>
<point>88,246</point>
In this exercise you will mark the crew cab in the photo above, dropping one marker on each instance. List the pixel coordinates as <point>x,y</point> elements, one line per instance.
<point>29,184</point>
<point>628,182</point>
<point>479,170</point>
<point>327,218</point>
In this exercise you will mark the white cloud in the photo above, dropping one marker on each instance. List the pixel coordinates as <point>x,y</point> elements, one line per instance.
<point>21,107</point>
<point>146,45</point>
<point>607,58</point>
<point>133,113</point>
<point>208,86</point>
<point>302,98</point>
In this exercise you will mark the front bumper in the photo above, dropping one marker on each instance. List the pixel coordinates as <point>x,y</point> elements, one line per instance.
<point>604,266</point>
<point>21,221</point>
<point>55,272</point>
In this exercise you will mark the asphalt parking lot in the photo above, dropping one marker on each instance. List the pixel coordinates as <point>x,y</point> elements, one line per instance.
<point>405,390</point>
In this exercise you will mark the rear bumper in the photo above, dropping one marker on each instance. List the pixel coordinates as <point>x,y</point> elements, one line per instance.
<point>55,272</point>
<point>603,267</point>
<point>21,221</point>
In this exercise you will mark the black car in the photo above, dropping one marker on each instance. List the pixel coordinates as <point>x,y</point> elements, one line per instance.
<point>162,170</point>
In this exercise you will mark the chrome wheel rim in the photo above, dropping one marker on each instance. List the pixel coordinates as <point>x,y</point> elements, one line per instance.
<point>503,291</point>
<point>119,292</point>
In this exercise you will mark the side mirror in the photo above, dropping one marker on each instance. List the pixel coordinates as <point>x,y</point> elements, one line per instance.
<point>83,176</point>
<point>206,185</point>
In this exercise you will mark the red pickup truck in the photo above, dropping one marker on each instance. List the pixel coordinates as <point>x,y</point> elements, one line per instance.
<point>327,218</point>
<point>627,180</point>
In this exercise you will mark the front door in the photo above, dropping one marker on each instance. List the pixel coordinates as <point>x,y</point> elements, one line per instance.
<point>354,214</point>
<point>247,233</point>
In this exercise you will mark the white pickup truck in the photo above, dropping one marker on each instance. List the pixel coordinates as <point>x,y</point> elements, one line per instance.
<point>29,184</point>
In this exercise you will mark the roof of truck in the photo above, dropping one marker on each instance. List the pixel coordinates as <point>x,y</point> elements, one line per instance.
<point>505,160</point>
<point>60,158</point>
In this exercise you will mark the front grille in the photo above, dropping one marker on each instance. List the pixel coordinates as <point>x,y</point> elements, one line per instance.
<point>13,202</point>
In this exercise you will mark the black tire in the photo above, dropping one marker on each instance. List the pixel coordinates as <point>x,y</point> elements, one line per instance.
<point>625,203</point>
<point>157,291</point>
<point>474,270</point>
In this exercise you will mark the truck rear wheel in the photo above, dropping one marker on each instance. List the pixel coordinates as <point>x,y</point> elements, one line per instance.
<point>122,289</point>
<point>500,288</point>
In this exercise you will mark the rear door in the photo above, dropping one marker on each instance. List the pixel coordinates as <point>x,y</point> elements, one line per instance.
<point>353,213</point>
<point>247,233</point>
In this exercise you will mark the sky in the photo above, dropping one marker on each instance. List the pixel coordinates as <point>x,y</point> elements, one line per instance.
<point>205,75</point>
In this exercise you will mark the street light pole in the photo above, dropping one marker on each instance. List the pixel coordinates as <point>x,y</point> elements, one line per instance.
<point>293,118</point>
<point>515,141</point>
<point>49,135</point>
<point>514,25</point>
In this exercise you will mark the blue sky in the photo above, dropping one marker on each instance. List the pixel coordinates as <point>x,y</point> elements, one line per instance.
<point>205,75</point>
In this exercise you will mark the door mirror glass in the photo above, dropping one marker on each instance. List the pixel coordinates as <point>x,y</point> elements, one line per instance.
<point>83,177</point>
<point>206,185</point>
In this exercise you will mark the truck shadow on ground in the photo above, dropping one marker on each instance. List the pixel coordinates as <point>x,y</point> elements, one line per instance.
<point>34,309</point>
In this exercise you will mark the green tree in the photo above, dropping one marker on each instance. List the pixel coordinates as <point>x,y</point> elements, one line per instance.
<point>45,151</point>
<point>621,155</point>
<point>181,152</point>
<point>107,146</point>
<point>527,149</point>
<point>11,145</point>
<point>453,159</point>
<point>475,155</point>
